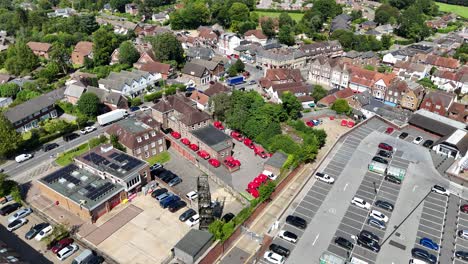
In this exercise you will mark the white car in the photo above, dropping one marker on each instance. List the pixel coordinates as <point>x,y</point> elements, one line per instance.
<point>20,214</point>
<point>418,140</point>
<point>193,220</point>
<point>87,130</point>
<point>46,231</point>
<point>270,175</point>
<point>23,157</point>
<point>379,216</point>
<point>16,224</point>
<point>288,236</point>
<point>192,195</point>
<point>324,177</point>
<point>274,258</point>
<point>144,108</point>
<point>440,190</point>
<point>361,203</point>
<point>463,234</point>
<point>67,251</point>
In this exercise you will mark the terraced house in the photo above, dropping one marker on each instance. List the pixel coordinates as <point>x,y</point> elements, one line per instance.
<point>128,83</point>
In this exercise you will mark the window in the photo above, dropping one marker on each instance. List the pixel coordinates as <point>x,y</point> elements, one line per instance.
<point>153,144</point>
<point>138,151</point>
<point>146,136</point>
<point>160,141</point>
<point>390,92</point>
<point>138,139</point>
<point>153,133</point>
<point>146,154</point>
<point>428,104</point>
<point>222,154</point>
<point>146,147</point>
<point>161,149</point>
<point>437,107</point>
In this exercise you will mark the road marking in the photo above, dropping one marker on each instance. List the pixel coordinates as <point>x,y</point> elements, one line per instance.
<point>346,185</point>
<point>316,239</point>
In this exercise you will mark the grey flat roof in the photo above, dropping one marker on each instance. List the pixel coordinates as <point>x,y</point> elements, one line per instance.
<point>277,160</point>
<point>194,241</point>
<point>213,137</point>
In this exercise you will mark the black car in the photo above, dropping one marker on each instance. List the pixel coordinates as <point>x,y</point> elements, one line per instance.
<point>428,143</point>
<point>70,137</point>
<point>10,208</point>
<point>35,230</point>
<point>227,217</point>
<point>385,154</point>
<point>169,177</point>
<point>95,259</point>
<point>384,205</point>
<point>158,192</point>
<point>463,255</point>
<point>187,214</point>
<point>176,206</point>
<point>345,243</point>
<point>369,235</point>
<point>296,221</point>
<point>259,67</point>
<point>393,179</point>
<point>380,160</point>
<point>279,250</point>
<point>49,146</point>
<point>423,255</point>
<point>368,243</point>
<point>403,135</point>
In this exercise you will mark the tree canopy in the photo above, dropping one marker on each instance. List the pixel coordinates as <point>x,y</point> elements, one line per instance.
<point>128,54</point>
<point>88,104</point>
<point>20,59</point>
<point>193,15</point>
<point>341,106</point>
<point>9,138</point>
<point>166,47</point>
<point>104,43</point>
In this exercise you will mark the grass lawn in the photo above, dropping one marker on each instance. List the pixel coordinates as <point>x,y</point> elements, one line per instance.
<point>457,9</point>
<point>161,158</point>
<point>66,158</point>
<point>295,16</point>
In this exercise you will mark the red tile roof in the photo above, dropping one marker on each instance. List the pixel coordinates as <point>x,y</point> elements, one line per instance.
<point>283,75</point>
<point>199,97</point>
<point>84,48</point>
<point>255,32</point>
<point>330,99</point>
<point>449,63</point>
<point>39,46</point>
<point>156,67</point>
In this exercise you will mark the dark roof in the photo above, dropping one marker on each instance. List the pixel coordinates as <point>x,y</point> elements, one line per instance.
<point>105,96</point>
<point>34,105</point>
<point>461,138</point>
<point>277,160</point>
<point>193,69</point>
<point>193,242</point>
<point>429,124</point>
<point>216,88</point>
<point>213,137</point>
<point>189,114</point>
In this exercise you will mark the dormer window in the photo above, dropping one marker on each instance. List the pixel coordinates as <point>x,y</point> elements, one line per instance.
<point>146,136</point>
<point>138,139</point>
<point>153,133</point>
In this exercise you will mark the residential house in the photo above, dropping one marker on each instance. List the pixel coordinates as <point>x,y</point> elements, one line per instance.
<point>62,12</point>
<point>227,43</point>
<point>27,115</point>
<point>144,30</point>
<point>82,50</point>
<point>73,92</point>
<point>146,56</point>
<point>215,68</point>
<point>342,21</point>
<point>121,26</point>
<point>5,41</point>
<point>4,78</point>
<point>201,99</point>
<point>450,81</point>
<point>5,101</point>
<point>437,102</point>
<point>256,35</point>
<point>110,99</point>
<point>203,53</point>
<point>128,83</point>
<point>331,72</point>
<point>324,48</point>
<point>385,29</point>
<point>362,79</point>
<point>40,49</point>
<point>411,95</point>
<point>410,71</point>
<point>216,88</point>
<point>367,25</point>
<point>131,9</point>
<point>298,89</point>
<point>441,63</point>
<point>165,70</point>
<point>361,59</point>
<point>281,58</point>
<point>160,17</point>
<point>208,36</point>
<point>458,112</point>
<point>280,76</point>
<point>196,74</point>
<point>328,100</point>
<point>408,53</point>
<point>139,135</point>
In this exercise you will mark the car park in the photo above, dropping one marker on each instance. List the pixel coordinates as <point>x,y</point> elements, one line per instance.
<point>62,243</point>
<point>361,203</point>
<point>288,236</point>
<point>379,216</point>
<point>67,251</point>
<point>385,146</point>
<point>274,258</point>
<point>324,177</point>
<point>380,160</point>
<point>187,214</point>
<point>428,143</point>
<point>175,181</point>
<point>158,192</point>
<point>423,255</point>
<point>344,243</point>
<point>279,250</point>
<point>462,255</point>
<point>195,219</point>
<point>384,153</point>
<point>296,221</point>
<point>23,157</point>
<point>20,214</point>
<point>464,208</point>
<point>227,217</point>
<point>176,206</point>
<point>17,224</point>
<point>192,195</point>
<point>384,205</point>
<point>440,190</point>
<point>34,230</point>
<point>463,234</point>
<point>168,200</point>
<point>370,235</point>
<point>49,146</point>
<point>403,135</point>
<point>427,242</point>
<point>418,140</point>
<point>9,208</point>
<point>376,223</point>
<point>392,179</point>
<point>368,243</point>
<point>46,231</point>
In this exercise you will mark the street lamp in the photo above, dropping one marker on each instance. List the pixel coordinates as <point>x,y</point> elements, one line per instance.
<point>375,188</point>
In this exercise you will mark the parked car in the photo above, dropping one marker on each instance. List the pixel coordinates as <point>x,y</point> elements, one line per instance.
<point>279,250</point>
<point>20,214</point>
<point>49,146</point>
<point>463,234</point>
<point>376,223</point>
<point>195,219</point>
<point>194,147</point>
<point>464,208</point>
<point>214,162</point>
<point>175,134</point>
<point>379,216</point>
<point>163,196</point>
<point>392,179</point>
<point>296,221</point>
<point>237,136</point>
<point>46,231</point>
<point>272,257</point>
<point>67,251</point>
<point>203,154</point>
<point>187,214</point>
<point>418,140</point>
<point>87,130</point>
<point>403,135</point>
<point>70,137</point>
<point>251,82</point>
<point>158,192</point>
<point>23,157</point>
<point>384,205</point>
<point>423,255</point>
<point>62,243</point>
<point>168,200</point>
<point>144,108</point>
<point>427,242</point>
<point>288,236</point>
<point>17,224</point>
<point>175,181</point>
<point>370,235</point>
<point>440,190</point>
<point>380,160</point>
<point>463,255</point>
<point>176,206</point>
<point>384,153</point>
<point>192,195</point>
<point>34,230</point>
<point>344,243</point>
<point>168,177</point>
<point>361,203</point>
<point>368,243</point>
<point>324,177</point>
<point>389,130</point>
<point>155,166</point>
<point>385,146</point>
<point>9,208</point>
<point>428,143</point>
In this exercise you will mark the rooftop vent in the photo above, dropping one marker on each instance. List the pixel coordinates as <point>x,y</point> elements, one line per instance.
<point>71,185</point>
<point>84,178</point>
<point>62,180</point>
<point>106,148</point>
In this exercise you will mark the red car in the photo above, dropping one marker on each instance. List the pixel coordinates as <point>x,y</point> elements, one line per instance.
<point>214,162</point>
<point>260,151</point>
<point>185,141</point>
<point>464,208</point>
<point>176,135</point>
<point>253,192</point>
<point>61,244</point>
<point>194,147</point>
<point>231,162</point>
<point>249,143</point>
<point>385,146</point>
<point>203,154</point>
<point>237,136</point>
<point>218,125</point>
<point>310,124</point>
<point>389,130</point>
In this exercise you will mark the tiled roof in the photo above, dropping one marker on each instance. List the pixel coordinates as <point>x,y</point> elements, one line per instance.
<point>293,87</point>
<point>341,94</point>
<point>283,74</point>
<point>84,48</point>
<point>189,114</point>
<point>156,67</point>
<point>39,46</point>
<point>442,62</point>
<point>255,32</point>
<point>199,97</point>
<point>216,88</point>
<point>210,65</point>
<point>193,69</point>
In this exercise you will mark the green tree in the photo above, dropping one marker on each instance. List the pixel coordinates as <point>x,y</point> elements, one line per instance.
<point>60,56</point>
<point>285,19</point>
<point>88,24</point>
<point>341,106</point>
<point>195,14</point>
<point>26,94</point>
<point>286,35</point>
<point>268,27</point>
<point>9,90</point>
<point>9,138</point>
<point>166,47</point>
<point>356,14</point>
<point>318,93</point>
<point>327,8</point>
<point>400,4</point>
<point>20,59</point>
<point>385,13</point>
<point>239,12</point>
<point>243,27</point>
<point>265,190</point>
<point>88,104</point>
<point>412,24</point>
<point>239,66</point>
<point>291,105</point>
<point>462,53</point>
<point>104,43</point>
<point>386,41</point>
<point>50,72</point>
<point>114,140</point>
<point>119,5</point>
<point>128,54</point>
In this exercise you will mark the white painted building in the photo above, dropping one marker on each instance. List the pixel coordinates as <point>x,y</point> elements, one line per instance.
<point>227,43</point>
<point>128,83</point>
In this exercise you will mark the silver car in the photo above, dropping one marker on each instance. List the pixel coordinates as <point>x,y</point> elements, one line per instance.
<point>20,214</point>
<point>376,223</point>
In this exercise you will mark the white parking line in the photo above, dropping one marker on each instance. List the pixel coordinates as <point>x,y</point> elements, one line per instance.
<point>438,230</point>
<point>300,206</point>
<point>352,227</point>
<point>359,222</point>
<point>304,216</point>
<point>388,194</point>
<point>316,186</point>
<point>316,193</point>
<point>319,201</point>
<point>346,185</point>
<point>440,236</point>
<point>371,192</point>
<point>346,232</point>
<point>443,207</point>
<point>316,238</point>
<point>362,257</point>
